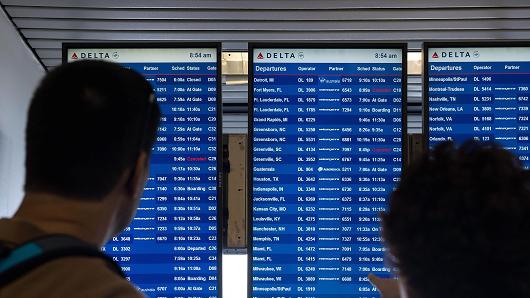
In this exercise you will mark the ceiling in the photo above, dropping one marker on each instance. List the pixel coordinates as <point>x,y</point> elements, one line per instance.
<point>45,24</point>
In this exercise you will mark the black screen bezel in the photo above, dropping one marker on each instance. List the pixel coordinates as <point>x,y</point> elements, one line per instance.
<point>180,45</point>
<point>320,45</point>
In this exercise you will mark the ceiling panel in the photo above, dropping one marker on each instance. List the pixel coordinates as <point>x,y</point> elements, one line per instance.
<point>278,15</point>
<point>226,35</point>
<point>266,4</point>
<point>47,23</point>
<point>264,26</point>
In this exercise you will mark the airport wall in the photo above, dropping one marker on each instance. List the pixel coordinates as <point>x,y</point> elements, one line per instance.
<point>19,73</point>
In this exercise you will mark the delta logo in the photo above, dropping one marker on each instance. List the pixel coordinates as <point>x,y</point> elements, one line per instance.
<point>280,55</point>
<point>94,55</point>
<point>285,55</point>
<point>456,54</point>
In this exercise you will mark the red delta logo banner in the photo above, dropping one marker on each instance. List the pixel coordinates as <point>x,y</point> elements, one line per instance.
<point>260,56</point>
<point>74,56</point>
<point>435,55</point>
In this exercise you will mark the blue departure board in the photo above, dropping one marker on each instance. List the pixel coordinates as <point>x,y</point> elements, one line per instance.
<point>326,132</point>
<point>479,92</point>
<point>172,247</point>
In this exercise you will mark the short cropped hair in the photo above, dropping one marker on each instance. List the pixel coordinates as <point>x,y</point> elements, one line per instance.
<point>458,224</point>
<point>87,123</point>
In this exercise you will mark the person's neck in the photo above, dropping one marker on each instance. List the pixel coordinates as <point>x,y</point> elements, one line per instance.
<point>53,214</point>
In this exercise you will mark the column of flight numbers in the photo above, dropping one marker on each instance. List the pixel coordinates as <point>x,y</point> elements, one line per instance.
<point>327,150</point>
<point>483,101</point>
<point>175,252</point>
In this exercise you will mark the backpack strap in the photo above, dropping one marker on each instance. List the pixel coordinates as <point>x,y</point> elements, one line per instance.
<point>36,252</point>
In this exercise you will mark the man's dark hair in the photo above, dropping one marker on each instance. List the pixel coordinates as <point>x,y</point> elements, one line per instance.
<point>459,224</point>
<point>87,123</point>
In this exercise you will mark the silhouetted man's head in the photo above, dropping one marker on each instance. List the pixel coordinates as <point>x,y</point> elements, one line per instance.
<point>459,224</point>
<point>88,123</point>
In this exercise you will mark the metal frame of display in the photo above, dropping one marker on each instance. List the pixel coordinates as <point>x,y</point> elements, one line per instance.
<point>319,45</point>
<point>219,115</point>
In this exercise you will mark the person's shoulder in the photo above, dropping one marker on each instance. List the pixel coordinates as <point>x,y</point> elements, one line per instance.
<point>73,277</point>
<point>102,280</point>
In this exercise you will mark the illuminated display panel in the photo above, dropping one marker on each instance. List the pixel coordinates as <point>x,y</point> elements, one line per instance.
<point>326,137</point>
<point>172,247</point>
<point>478,91</point>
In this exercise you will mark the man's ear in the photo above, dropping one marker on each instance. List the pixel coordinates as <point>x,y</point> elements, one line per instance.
<point>138,174</point>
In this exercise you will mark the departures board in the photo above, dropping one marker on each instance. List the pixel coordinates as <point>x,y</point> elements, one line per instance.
<point>172,247</point>
<point>326,125</point>
<point>478,91</point>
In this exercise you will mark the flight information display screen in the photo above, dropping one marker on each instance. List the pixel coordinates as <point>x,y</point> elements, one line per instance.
<point>171,248</point>
<point>326,128</point>
<point>478,92</point>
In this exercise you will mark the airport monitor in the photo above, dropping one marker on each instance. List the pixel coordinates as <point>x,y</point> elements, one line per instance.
<point>172,247</point>
<point>326,140</point>
<point>478,91</point>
